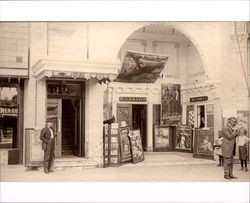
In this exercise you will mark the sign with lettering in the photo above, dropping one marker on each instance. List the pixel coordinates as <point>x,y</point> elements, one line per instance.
<point>198,99</point>
<point>64,89</point>
<point>133,99</point>
<point>8,110</point>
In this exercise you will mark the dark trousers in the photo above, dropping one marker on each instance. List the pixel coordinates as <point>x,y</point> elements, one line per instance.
<point>242,162</point>
<point>228,166</point>
<point>221,160</point>
<point>49,154</point>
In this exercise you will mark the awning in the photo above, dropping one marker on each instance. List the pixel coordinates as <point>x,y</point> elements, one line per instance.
<point>75,70</point>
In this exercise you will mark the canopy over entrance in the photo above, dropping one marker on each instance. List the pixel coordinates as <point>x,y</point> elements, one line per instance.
<point>75,70</point>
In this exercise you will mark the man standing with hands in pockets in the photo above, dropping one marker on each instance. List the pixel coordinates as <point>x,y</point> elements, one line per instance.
<point>48,145</point>
<point>229,147</point>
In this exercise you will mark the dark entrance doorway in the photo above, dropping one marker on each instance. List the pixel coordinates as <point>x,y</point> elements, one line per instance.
<point>139,121</point>
<point>70,127</point>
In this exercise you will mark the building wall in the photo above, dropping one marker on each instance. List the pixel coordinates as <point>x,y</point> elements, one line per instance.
<point>209,53</point>
<point>94,120</point>
<point>14,48</point>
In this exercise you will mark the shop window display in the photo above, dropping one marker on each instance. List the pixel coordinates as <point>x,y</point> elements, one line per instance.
<point>8,117</point>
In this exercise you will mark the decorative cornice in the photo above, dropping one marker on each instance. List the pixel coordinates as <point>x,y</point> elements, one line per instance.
<point>198,88</point>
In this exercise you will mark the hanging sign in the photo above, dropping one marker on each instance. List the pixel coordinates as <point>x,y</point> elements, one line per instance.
<point>133,99</point>
<point>141,68</point>
<point>198,99</point>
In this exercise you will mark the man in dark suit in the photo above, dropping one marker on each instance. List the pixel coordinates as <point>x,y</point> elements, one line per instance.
<point>48,145</point>
<point>229,147</point>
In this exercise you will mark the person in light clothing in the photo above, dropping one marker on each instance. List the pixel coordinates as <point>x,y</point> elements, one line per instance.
<point>217,148</point>
<point>242,143</point>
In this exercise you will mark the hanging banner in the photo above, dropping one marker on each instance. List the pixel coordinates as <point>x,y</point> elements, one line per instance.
<point>141,68</point>
<point>171,104</point>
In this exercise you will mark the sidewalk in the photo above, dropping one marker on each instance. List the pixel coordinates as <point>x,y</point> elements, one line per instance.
<point>161,167</point>
<point>169,159</point>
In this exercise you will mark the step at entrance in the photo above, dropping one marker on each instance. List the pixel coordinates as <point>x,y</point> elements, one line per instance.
<point>74,162</point>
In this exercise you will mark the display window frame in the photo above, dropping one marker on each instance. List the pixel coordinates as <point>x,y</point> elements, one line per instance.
<point>14,139</point>
<point>196,104</point>
<point>16,151</point>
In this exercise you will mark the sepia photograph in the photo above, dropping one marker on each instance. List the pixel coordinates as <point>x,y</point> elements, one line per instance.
<point>125,101</point>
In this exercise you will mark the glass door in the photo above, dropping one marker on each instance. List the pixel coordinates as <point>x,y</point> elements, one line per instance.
<point>54,115</point>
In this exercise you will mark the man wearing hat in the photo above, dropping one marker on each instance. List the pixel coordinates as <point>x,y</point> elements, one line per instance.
<point>48,145</point>
<point>229,147</point>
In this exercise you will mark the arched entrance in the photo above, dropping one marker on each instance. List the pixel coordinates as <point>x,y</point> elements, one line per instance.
<point>185,66</point>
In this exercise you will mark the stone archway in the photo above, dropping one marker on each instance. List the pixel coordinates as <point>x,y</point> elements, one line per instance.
<point>191,31</point>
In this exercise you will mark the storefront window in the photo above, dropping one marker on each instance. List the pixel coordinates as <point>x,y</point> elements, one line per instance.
<point>8,117</point>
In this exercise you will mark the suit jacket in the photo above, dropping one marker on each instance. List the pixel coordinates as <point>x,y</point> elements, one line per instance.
<point>228,143</point>
<point>45,136</point>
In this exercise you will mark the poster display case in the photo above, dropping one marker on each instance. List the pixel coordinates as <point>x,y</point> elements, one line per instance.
<point>33,148</point>
<point>183,139</point>
<point>114,145</point>
<point>110,145</point>
<point>203,145</point>
<point>106,133</point>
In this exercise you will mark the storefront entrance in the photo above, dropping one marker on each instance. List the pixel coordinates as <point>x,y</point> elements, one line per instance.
<point>65,115</point>
<point>64,109</point>
<point>139,121</point>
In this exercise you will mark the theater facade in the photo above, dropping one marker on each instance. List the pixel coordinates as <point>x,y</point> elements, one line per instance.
<point>66,72</point>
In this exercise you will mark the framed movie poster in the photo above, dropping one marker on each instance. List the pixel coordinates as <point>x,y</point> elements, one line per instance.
<point>125,147</point>
<point>162,138</point>
<point>184,138</point>
<point>171,104</point>
<point>204,139</point>
<point>136,146</point>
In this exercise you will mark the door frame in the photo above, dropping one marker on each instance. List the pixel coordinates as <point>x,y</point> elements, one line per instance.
<point>58,131</point>
<point>81,99</point>
<point>142,107</point>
